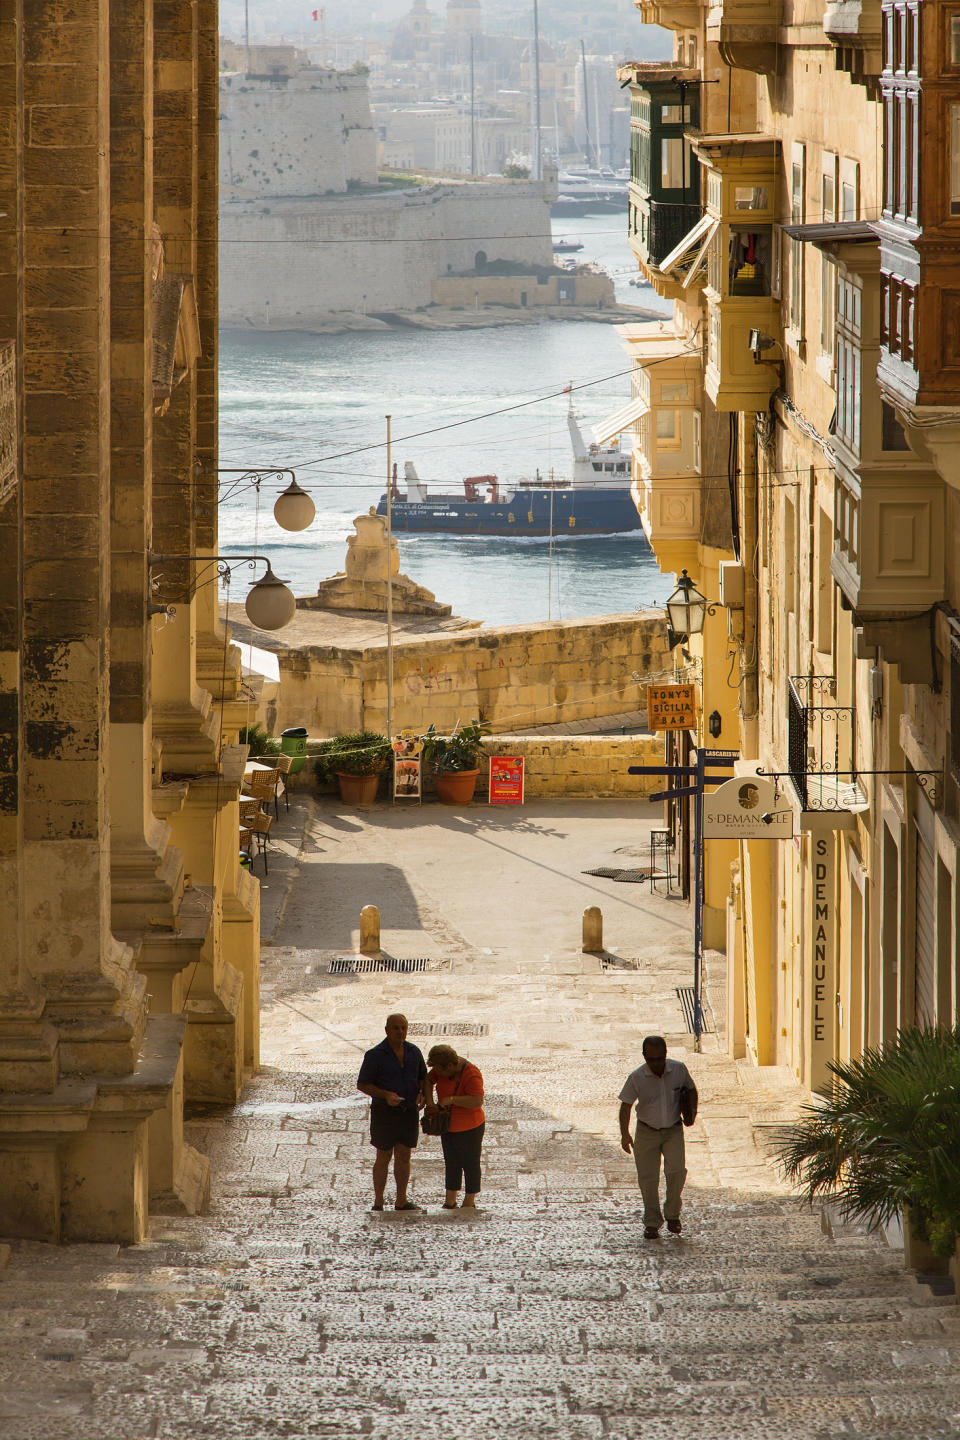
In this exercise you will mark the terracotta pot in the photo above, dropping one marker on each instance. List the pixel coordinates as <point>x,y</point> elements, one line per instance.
<point>358,789</point>
<point>456,787</point>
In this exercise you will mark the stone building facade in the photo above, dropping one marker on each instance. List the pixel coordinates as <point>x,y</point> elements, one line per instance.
<point>129,958</point>
<point>794,192</point>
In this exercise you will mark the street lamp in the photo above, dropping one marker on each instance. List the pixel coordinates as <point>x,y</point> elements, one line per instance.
<point>294,510</point>
<point>270,604</point>
<point>687,609</point>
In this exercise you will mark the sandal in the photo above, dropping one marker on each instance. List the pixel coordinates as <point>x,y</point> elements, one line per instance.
<point>375,1206</point>
<point>447,1205</point>
<point>407,1205</point>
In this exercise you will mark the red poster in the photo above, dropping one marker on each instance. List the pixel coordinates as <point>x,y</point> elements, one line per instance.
<point>506,780</point>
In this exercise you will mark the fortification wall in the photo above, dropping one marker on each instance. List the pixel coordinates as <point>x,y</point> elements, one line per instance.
<point>307,134</point>
<point>297,263</point>
<point>512,675</point>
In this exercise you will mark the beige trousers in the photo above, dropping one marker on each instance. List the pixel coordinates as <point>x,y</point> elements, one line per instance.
<point>648,1146</point>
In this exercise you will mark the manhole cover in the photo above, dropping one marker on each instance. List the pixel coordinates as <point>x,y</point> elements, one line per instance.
<point>454,1029</point>
<point>364,964</point>
<point>686,997</point>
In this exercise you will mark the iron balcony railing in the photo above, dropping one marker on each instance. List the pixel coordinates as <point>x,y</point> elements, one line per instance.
<point>820,742</point>
<point>668,225</point>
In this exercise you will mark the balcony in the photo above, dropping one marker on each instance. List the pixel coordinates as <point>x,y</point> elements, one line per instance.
<point>821,738</point>
<point>8,420</point>
<point>668,225</point>
<point>854,27</point>
<point>746,33</point>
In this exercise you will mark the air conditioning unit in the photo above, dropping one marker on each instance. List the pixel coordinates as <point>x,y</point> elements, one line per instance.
<point>731,584</point>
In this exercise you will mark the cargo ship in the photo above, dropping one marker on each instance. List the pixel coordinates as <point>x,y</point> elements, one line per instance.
<point>596,501</point>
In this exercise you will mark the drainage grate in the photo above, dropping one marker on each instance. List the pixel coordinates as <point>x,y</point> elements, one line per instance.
<point>455,1029</point>
<point>685,996</point>
<point>627,877</point>
<point>364,964</point>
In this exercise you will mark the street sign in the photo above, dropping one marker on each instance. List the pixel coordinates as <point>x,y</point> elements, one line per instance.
<point>671,707</point>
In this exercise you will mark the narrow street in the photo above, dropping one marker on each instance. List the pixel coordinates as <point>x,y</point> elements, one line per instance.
<point>292,1310</point>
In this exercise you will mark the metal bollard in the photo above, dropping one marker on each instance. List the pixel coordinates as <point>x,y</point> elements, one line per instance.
<point>592,930</point>
<point>369,930</point>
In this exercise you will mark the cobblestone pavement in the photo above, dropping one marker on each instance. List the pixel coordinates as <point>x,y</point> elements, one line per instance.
<point>292,1310</point>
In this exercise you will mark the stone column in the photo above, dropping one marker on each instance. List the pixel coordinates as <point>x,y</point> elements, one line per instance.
<point>27,1045</point>
<point>92,994</point>
<point>183,717</point>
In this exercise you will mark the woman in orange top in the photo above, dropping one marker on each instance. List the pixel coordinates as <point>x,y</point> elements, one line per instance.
<point>459,1088</point>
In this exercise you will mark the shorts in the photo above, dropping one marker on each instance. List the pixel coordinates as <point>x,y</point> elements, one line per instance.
<point>394,1125</point>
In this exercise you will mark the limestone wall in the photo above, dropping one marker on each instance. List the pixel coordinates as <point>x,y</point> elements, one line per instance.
<point>511,675</point>
<point>587,766</point>
<point>309,133</point>
<point>297,262</point>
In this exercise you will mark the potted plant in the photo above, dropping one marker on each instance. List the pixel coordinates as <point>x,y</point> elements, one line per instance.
<point>357,759</point>
<point>455,761</point>
<point>883,1140</point>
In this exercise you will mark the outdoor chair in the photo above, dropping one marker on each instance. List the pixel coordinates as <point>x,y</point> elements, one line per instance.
<point>260,826</point>
<point>284,762</point>
<point>264,785</point>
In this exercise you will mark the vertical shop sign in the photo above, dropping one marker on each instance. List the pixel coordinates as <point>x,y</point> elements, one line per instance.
<point>823,976</point>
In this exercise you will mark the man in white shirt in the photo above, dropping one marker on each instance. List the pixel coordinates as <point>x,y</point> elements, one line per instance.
<point>655,1090</point>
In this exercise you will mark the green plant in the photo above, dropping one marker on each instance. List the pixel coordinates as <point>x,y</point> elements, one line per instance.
<point>463,750</point>
<point>884,1138</point>
<point>360,752</point>
<point>259,740</point>
<point>516,172</point>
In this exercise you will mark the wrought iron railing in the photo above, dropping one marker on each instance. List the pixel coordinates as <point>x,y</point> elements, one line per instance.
<point>820,742</point>
<point>668,225</point>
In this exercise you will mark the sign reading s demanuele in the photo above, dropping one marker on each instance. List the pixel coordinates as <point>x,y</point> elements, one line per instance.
<point>746,808</point>
<point>671,707</point>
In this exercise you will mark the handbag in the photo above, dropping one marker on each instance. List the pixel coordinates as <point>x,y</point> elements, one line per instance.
<point>688,1104</point>
<point>437,1122</point>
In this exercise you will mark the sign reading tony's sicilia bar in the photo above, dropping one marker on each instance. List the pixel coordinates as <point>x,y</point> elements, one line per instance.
<point>671,707</point>
<point>746,808</point>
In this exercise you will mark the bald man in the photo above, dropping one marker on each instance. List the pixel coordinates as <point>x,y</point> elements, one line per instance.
<point>394,1075</point>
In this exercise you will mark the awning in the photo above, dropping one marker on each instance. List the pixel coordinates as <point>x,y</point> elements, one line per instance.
<point>691,251</point>
<point>619,420</point>
<point>835,231</point>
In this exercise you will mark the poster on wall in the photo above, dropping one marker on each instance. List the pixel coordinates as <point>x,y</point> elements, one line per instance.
<point>407,766</point>
<point>506,780</point>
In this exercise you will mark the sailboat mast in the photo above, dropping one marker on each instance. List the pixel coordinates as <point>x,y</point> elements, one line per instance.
<point>473,114</point>
<point>537,161</point>
<point>586,100</point>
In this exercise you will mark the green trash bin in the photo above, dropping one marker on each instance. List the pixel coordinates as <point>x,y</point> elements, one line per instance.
<point>293,742</point>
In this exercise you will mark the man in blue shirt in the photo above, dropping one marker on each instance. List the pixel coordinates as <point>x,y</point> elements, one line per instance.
<point>393,1074</point>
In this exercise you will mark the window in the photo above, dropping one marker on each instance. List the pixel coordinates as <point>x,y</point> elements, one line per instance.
<point>827,286</point>
<point>846,422</point>
<point>670,115</point>
<point>955,159</point>
<point>673,171</point>
<point>751,197</point>
<point>828,186</point>
<point>893,435</point>
<point>668,430</point>
<point>955,39</point>
<point>797,217</point>
<point>849,190</point>
<point>697,442</point>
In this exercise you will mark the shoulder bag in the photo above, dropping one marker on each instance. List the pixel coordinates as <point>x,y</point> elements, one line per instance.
<point>437,1121</point>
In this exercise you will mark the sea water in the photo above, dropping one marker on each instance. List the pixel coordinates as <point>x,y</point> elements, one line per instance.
<point>464,402</point>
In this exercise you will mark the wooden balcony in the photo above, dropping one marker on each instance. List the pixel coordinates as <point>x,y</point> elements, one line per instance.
<point>888,556</point>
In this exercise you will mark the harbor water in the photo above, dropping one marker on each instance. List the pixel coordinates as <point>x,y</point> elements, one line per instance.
<point>462,402</point>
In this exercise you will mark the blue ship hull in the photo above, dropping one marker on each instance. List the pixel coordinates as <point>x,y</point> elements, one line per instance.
<point>526,513</point>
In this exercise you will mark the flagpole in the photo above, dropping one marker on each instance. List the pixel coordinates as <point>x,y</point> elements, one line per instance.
<point>389,587</point>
